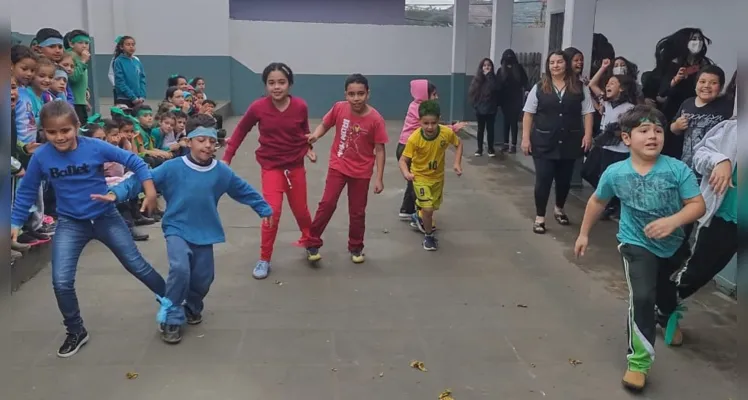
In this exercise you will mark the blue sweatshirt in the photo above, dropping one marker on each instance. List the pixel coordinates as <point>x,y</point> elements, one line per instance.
<point>74,175</point>
<point>192,192</point>
<point>129,78</point>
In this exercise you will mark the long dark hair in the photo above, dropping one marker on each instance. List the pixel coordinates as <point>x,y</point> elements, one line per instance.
<point>629,91</point>
<point>482,86</point>
<point>120,43</point>
<point>675,47</point>
<point>573,84</point>
<point>509,62</point>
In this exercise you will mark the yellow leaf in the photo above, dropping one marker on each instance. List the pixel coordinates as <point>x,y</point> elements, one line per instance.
<point>419,365</point>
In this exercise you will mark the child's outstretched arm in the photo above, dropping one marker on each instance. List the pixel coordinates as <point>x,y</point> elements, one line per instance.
<point>244,193</point>
<point>248,121</point>
<point>131,187</point>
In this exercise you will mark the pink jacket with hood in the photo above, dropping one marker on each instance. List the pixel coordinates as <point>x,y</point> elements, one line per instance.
<point>419,89</point>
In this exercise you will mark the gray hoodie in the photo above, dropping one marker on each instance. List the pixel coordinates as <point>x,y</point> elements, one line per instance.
<point>719,144</point>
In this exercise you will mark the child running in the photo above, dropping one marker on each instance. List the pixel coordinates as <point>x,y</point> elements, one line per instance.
<point>425,154</point>
<point>191,224</point>
<point>360,136</point>
<point>73,165</point>
<point>283,122</point>
<point>421,90</point>
<point>658,195</point>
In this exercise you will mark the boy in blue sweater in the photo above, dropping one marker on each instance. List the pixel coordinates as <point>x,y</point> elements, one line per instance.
<point>74,166</point>
<point>192,185</point>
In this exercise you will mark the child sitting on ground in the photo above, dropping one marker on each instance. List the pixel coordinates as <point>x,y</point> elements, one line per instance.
<point>422,163</point>
<point>658,196</point>
<point>191,224</point>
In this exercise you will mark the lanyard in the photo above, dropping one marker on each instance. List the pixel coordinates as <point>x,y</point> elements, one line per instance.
<point>559,93</point>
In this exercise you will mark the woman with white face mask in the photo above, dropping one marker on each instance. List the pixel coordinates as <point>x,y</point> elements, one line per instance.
<point>680,56</point>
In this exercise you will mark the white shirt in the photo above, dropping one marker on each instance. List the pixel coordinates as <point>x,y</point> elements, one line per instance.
<point>611,115</point>
<point>531,105</point>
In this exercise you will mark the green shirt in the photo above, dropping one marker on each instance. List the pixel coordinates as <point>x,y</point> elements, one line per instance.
<point>728,210</point>
<point>78,80</point>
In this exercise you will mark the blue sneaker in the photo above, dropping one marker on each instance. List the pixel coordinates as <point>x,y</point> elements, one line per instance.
<point>262,269</point>
<point>417,223</point>
<point>430,243</point>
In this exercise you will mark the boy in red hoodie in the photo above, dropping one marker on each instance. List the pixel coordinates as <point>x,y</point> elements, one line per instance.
<point>283,122</point>
<point>421,90</point>
<point>360,136</point>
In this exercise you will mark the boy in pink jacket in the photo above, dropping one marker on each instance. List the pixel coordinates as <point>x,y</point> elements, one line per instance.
<point>421,90</point>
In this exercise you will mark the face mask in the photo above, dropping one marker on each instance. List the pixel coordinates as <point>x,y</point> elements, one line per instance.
<point>694,46</point>
<point>619,70</point>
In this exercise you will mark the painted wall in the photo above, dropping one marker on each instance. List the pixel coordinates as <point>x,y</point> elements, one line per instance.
<point>382,12</point>
<point>230,56</point>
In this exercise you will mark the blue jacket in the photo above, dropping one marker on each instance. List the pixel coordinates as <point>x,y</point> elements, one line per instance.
<point>129,78</point>
<point>192,193</point>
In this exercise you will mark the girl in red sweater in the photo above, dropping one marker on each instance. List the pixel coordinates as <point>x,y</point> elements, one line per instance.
<point>283,123</point>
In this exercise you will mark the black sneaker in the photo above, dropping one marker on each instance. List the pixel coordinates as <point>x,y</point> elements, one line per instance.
<point>73,342</point>
<point>430,243</point>
<point>192,318</point>
<point>171,334</point>
<point>138,236</point>
<point>42,237</point>
<point>491,153</point>
<point>47,229</point>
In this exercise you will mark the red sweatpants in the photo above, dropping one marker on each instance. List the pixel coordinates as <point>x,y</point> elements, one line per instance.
<point>358,194</point>
<point>275,182</point>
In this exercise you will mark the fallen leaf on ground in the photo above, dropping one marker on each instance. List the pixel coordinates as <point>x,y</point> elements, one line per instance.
<point>334,369</point>
<point>279,283</point>
<point>381,374</point>
<point>446,395</point>
<point>574,362</point>
<point>201,336</point>
<point>131,375</point>
<point>521,305</point>
<point>419,365</point>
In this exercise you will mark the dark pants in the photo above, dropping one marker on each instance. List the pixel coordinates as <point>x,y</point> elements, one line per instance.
<point>486,122</point>
<point>650,289</point>
<point>82,112</point>
<point>191,272</point>
<point>71,237</point>
<point>219,121</point>
<point>511,124</point>
<point>716,245</point>
<point>408,205</point>
<point>546,172</point>
<point>609,157</point>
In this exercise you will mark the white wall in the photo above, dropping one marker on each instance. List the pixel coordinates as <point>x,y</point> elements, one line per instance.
<point>635,32</point>
<point>377,49</point>
<point>160,27</point>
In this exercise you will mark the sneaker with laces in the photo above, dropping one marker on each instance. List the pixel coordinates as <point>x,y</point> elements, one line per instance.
<point>192,318</point>
<point>312,254</point>
<point>357,256</point>
<point>417,223</point>
<point>430,243</point>
<point>262,270</point>
<point>171,334</point>
<point>73,342</point>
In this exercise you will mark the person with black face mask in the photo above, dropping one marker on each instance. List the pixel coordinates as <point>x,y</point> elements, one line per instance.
<point>680,56</point>
<point>513,83</point>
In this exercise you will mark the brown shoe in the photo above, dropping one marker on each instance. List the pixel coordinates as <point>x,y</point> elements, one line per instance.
<point>634,380</point>
<point>677,338</point>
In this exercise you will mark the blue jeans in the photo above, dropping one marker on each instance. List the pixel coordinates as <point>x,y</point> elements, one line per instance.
<point>71,237</point>
<point>191,272</point>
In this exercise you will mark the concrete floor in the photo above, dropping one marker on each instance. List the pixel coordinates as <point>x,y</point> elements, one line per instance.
<point>496,313</point>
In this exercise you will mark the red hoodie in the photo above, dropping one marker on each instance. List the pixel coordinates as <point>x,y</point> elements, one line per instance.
<point>282,135</point>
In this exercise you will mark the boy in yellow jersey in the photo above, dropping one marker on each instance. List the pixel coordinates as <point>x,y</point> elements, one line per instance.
<point>425,151</point>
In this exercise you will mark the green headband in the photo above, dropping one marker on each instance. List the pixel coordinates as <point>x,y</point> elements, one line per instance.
<point>95,119</point>
<point>647,120</point>
<point>144,112</point>
<point>80,39</point>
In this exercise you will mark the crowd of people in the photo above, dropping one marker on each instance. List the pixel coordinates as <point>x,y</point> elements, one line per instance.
<point>84,177</point>
<point>659,149</point>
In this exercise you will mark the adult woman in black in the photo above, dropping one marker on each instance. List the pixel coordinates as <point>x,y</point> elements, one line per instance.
<point>679,57</point>
<point>513,83</point>
<point>556,131</point>
<point>483,96</point>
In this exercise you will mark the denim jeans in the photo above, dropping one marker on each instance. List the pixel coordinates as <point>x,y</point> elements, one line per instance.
<point>191,272</point>
<point>71,237</point>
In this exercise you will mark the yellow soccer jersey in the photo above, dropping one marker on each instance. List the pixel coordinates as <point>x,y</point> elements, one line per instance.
<point>427,154</point>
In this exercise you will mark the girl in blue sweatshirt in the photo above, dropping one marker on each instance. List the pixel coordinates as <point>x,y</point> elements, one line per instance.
<point>192,185</point>
<point>129,75</point>
<point>73,165</point>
